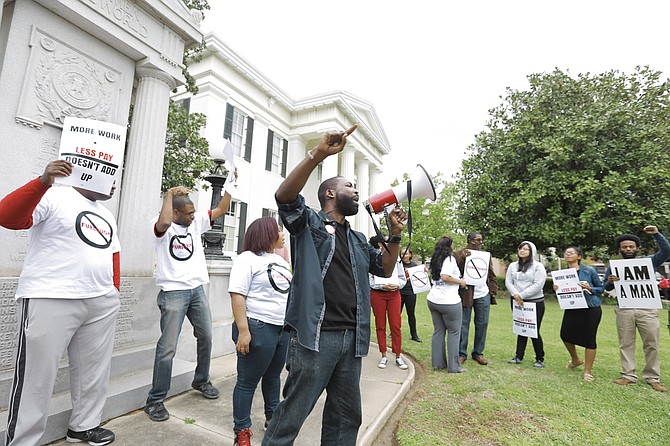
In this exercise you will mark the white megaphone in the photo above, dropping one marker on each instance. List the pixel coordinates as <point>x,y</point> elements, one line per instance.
<point>419,184</point>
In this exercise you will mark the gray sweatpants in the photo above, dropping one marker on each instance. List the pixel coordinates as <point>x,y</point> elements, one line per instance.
<point>446,319</point>
<point>85,327</point>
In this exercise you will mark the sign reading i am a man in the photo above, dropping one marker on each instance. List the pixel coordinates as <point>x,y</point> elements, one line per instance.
<point>636,287</point>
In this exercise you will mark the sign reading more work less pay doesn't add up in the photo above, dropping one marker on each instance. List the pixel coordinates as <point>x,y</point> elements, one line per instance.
<point>95,149</point>
<point>636,287</point>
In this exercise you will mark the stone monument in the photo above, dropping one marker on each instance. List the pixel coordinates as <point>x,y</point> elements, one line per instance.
<point>92,59</point>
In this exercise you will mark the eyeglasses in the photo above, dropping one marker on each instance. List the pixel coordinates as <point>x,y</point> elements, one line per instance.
<point>570,253</point>
<point>525,248</point>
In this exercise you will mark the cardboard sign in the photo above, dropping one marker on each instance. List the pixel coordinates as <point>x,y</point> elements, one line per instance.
<point>476,269</point>
<point>95,148</point>
<point>419,279</point>
<point>636,287</point>
<point>570,294</point>
<point>524,320</point>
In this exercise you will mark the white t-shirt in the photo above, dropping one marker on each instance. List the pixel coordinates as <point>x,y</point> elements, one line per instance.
<point>265,281</point>
<point>70,247</point>
<point>443,293</point>
<point>180,257</point>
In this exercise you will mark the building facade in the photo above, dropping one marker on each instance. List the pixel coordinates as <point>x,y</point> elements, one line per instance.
<point>272,132</point>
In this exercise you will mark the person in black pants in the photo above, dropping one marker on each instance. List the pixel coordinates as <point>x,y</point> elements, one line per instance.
<point>408,298</point>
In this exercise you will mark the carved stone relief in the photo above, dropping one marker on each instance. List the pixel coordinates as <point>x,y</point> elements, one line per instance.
<point>62,81</point>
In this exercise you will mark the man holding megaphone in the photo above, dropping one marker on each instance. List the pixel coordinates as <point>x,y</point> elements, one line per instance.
<point>328,309</point>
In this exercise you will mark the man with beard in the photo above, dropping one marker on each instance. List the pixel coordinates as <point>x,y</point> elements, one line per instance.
<point>479,297</point>
<point>328,310</point>
<point>645,319</point>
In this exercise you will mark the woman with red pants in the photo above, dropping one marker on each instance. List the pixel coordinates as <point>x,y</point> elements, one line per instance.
<point>385,300</point>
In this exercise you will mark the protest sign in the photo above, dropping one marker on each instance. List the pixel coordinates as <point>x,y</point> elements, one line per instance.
<point>476,267</point>
<point>418,277</point>
<point>524,320</point>
<point>636,287</point>
<point>570,295</point>
<point>95,149</point>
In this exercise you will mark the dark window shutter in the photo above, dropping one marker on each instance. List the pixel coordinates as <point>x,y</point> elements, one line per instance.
<point>284,157</point>
<point>228,126</point>
<point>250,136</point>
<point>266,212</point>
<point>243,226</point>
<point>268,155</point>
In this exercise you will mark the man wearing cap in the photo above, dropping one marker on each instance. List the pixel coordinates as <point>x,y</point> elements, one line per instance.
<point>645,319</point>
<point>479,297</point>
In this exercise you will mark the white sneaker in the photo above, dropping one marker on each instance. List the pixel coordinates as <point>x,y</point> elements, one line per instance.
<point>383,362</point>
<point>400,363</point>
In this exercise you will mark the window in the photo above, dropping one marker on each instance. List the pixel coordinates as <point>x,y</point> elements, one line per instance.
<point>239,129</point>
<point>277,149</point>
<point>185,104</point>
<point>230,225</point>
<point>235,226</point>
<point>237,132</point>
<point>271,213</point>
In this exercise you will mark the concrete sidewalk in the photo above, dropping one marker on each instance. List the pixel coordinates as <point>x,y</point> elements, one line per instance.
<point>199,421</point>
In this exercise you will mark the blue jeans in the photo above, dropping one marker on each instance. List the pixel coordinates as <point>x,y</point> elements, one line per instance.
<point>482,307</point>
<point>266,359</point>
<point>335,368</point>
<point>174,306</point>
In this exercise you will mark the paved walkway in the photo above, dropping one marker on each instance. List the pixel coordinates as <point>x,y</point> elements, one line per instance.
<point>195,420</point>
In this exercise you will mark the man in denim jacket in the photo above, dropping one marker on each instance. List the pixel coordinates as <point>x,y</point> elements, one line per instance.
<point>645,319</point>
<point>328,311</point>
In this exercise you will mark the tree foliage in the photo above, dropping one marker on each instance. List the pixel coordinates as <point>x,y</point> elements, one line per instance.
<point>194,54</point>
<point>186,161</point>
<point>572,160</point>
<point>430,221</point>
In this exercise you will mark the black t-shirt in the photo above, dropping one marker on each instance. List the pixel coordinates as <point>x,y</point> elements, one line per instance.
<point>407,290</point>
<point>339,287</point>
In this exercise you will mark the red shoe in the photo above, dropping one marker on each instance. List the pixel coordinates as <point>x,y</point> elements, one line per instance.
<point>243,437</point>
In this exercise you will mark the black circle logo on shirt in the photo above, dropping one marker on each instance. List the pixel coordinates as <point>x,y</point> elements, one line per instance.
<point>181,247</point>
<point>94,230</point>
<point>280,277</point>
<point>420,278</point>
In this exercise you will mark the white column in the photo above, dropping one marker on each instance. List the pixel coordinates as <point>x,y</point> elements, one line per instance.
<point>329,168</point>
<point>347,161</point>
<point>363,185</point>
<point>375,188</point>
<point>143,167</point>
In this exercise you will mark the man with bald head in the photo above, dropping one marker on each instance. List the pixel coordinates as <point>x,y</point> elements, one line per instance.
<point>181,272</point>
<point>328,310</point>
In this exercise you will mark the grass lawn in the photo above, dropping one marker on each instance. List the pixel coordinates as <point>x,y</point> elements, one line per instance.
<point>504,404</point>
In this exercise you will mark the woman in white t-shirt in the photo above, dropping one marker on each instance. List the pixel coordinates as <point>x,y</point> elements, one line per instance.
<point>445,307</point>
<point>258,287</point>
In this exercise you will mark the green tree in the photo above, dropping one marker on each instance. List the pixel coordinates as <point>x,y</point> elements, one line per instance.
<point>186,161</point>
<point>432,220</point>
<point>572,160</point>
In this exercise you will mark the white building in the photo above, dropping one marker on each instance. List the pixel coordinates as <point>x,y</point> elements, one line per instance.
<point>272,132</point>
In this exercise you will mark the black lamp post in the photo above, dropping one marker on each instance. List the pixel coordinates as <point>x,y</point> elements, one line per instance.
<point>214,239</point>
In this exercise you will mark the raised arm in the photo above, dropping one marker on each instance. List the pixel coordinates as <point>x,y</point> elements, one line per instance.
<point>224,203</point>
<point>165,217</point>
<point>330,144</point>
<point>16,209</point>
<point>397,218</point>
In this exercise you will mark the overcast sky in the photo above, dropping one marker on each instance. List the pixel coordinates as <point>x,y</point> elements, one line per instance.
<point>433,69</point>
